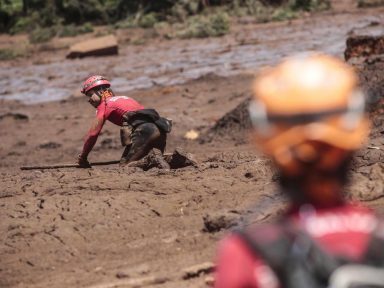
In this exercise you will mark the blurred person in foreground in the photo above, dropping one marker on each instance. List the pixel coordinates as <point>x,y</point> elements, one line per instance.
<point>308,116</point>
<point>141,129</point>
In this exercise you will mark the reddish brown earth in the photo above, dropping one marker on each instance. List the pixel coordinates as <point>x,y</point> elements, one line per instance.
<point>114,227</point>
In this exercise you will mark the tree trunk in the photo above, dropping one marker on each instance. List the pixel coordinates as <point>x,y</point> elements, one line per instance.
<point>25,7</point>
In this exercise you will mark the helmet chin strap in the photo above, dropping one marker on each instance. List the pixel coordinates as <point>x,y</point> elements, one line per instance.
<point>315,184</point>
<point>104,94</point>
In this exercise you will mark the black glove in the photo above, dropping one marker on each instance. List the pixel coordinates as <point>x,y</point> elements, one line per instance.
<point>83,162</point>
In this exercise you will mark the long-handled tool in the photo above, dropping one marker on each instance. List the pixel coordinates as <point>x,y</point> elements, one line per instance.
<point>67,165</point>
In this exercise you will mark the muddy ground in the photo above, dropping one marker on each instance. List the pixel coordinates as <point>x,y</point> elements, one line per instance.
<point>123,227</point>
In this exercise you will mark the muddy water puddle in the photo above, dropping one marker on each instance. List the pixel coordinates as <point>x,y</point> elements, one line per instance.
<point>172,62</point>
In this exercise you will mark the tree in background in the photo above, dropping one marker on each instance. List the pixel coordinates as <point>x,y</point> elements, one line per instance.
<point>27,15</point>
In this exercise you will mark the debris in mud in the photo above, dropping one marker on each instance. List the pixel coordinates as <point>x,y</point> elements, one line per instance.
<point>15,116</point>
<point>197,270</point>
<point>154,159</point>
<point>21,143</point>
<point>216,222</point>
<point>49,145</point>
<point>249,175</point>
<point>178,159</point>
<point>210,281</point>
<point>101,46</point>
<point>134,282</point>
<point>364,46</point>
<point>142,269</point>
<point>365,51</point>
<point>370,3</point>
<point>232,125</point>
<point>121,275</point>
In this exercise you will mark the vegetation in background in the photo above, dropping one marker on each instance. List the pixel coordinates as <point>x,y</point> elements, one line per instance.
<point>205,26</point>
<point>12,53</point>
<point>370,3</point>
<point>44,19</point>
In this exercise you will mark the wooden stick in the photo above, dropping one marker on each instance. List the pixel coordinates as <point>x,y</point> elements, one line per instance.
<point>67,165</point>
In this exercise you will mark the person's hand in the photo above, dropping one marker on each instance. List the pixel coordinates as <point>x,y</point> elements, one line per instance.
<point>83,162</point>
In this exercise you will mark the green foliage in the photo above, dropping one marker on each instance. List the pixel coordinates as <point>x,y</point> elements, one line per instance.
<point>125,24</point>
<point>282,14</point>
<point>44,18</point>
<point>11,6</point>
<point>10,54</point>
<point>138,41</point>
<point>201,26</point>
<point>310,5</point>
<point>369,3</point>
<point>219,24</point>
<point>80,11</point>
<point>73,30</point>
<point>40,35</point>
<point>23,24</point>
<point>275,10</point>
<point>148,20</point>
<point>86,28</point>
<point>7,54</point>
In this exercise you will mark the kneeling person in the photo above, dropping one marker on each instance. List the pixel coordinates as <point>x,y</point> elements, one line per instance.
<point>141,129</point>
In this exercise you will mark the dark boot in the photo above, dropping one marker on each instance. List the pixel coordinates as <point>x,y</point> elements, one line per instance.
<point>144,138</point>
<point>154,159</point>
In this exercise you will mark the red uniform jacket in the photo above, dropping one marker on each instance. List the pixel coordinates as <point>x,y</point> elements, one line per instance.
<point>111,109</point>
<point>342,231</point>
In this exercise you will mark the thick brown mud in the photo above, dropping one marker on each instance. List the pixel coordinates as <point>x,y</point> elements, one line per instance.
<point>125,227</point>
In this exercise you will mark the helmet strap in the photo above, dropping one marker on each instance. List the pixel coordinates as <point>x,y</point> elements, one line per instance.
<point>316,186</point>
<point>106,94</point>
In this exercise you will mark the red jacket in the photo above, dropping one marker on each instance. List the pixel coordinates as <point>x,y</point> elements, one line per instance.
<point>342,231</point>
<point>111,109</point>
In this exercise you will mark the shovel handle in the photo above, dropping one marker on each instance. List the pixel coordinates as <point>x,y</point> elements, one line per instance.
<point>67,165</point>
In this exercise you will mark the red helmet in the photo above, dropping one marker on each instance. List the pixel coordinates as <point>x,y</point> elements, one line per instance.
<point>94,81</point>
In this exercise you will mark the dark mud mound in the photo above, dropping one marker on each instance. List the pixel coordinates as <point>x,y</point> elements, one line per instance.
<point>371,76</point>
<point>234,125</point>
<point>365,51</point>
<point>364,45</point>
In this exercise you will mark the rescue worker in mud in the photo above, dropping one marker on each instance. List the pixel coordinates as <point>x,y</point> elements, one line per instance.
<point>142,129</point>
<point>308,116</point>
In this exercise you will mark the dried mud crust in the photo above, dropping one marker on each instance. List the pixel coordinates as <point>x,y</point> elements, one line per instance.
<point>123,227</point>
<point>372,79</point>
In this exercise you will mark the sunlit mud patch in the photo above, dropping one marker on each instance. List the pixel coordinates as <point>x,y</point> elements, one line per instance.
<point>372,78</point>
<point>367,183</point>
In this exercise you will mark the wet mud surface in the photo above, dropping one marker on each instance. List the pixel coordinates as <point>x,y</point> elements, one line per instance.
<point>125,227</point>
<point>170,62</point>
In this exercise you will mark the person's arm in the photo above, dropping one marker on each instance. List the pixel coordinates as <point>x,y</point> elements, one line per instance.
<point>90,140</point>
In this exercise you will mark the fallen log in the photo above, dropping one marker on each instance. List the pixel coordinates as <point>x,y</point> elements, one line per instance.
<point>55,166</point>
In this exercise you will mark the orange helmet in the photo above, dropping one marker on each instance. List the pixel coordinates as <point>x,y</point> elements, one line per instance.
<point>306,99</point>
